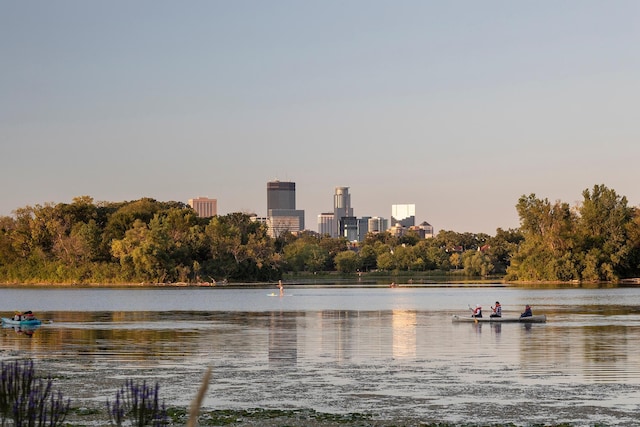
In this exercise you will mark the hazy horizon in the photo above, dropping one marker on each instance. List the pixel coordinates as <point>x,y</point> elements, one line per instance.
<point>457,107</point>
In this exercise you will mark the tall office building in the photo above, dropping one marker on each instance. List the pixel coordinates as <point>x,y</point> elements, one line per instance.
<point>281,195</point>
<point>326,223</point>
<point>349,228</point>
<point>378,225</point>
<point>363,228</point>
<point>341,208</point>
<point>282,215</point>
<point>204,206</point>
<point>405,215</point>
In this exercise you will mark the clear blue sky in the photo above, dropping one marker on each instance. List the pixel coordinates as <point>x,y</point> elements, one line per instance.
<point>459,107</point>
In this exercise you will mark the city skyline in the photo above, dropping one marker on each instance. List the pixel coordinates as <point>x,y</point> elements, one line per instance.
<point>458,107</point>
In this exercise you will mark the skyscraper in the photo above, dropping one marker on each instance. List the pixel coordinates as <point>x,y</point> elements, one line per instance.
<point>341,208</point>
<point>282,215</point>
<point>405,215</point>
<point>281,195</point>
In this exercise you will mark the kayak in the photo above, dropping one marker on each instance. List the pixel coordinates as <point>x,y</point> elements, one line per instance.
<point>540,318</point>
<point>25,322</point>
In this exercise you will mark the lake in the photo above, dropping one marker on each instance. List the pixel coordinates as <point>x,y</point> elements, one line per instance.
<point>393,353</point>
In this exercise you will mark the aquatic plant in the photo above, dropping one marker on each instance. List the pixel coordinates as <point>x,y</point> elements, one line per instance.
<point>139,404</point>
<point>28,400</point>
<point>196,403</point>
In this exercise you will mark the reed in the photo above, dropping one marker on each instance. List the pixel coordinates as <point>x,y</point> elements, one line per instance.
<point>196,403</point>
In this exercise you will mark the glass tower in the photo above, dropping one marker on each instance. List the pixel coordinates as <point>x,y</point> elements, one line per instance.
<point>341,208</point>
<point>281,195</point>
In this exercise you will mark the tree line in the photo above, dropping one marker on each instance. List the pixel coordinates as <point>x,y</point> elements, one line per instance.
<point>165,242</point>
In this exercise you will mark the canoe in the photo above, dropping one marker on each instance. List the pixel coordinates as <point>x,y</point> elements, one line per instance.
<point>30,322</point>
<point>540,318</point>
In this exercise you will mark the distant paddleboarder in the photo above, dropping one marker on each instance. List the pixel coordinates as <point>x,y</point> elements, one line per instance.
<point>281,287</point>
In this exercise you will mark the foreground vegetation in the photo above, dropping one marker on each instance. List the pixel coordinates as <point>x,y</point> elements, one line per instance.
<point>147,241</point>
<point>29,400</point>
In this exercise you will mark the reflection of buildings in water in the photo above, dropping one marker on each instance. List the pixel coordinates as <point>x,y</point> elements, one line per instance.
<point>350,334</point>
<point>283,339</point>
<point>404,333</point>
<point>336,331</point>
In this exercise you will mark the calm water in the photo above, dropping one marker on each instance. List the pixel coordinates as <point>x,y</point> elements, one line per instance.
<point>393,353</point>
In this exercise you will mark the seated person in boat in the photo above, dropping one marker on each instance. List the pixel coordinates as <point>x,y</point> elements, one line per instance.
<point>27,315</point>
<point>527,312</point>
<point>497,310</point>
<point>477,312</point>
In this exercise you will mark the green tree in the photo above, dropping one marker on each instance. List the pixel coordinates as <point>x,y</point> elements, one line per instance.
<point>476,263</point>
<point>604,226</point>
<point>368,258</point>
<point>347,262</point>
<point>549,235</point>
<point>501,247</point>
<point>240,248</point>
<point>386,261</point>
<point>333,246</point>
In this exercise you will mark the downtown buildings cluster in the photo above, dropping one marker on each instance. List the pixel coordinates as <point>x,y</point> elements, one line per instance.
<point>282,215</point>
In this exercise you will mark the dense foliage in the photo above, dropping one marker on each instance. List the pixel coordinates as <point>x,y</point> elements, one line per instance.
<point>165,242</point>
<point>599,240</point>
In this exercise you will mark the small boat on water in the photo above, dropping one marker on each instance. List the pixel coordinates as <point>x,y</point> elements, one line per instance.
<point>22,319</point>
<point>540,318</point>
<point>25,322</point>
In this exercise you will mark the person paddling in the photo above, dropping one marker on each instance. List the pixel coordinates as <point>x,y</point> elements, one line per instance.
<point>497,310</point>
<point>477,312</point>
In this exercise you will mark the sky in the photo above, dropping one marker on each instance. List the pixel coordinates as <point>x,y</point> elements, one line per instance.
<point>459,107</point>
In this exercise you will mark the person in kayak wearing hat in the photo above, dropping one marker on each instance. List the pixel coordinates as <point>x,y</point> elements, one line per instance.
<point>477,312</point>
<point>527,312</point>
<point>497,310</point>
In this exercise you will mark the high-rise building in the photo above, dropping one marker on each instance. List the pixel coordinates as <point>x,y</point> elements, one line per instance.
<point>326,223</point>
<point>282,215</point>
<point>204,206</point>
<point>404,215</point>
<point>341,208</point>
<point>281,195</point>
<point>378,225</point>
<point>363,228</point>
<point>349,228</point>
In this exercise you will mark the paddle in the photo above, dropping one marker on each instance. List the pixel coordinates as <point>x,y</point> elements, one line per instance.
<point>475,319</point>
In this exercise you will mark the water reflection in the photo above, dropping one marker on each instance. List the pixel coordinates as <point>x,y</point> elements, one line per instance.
<point>393,360</point>
<point>24,330</point>
<point>283,340</point>
<point>403,324</point>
